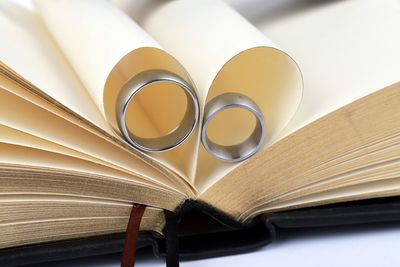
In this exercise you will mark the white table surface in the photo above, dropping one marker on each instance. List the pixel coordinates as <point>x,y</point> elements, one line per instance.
<point>375,245</point>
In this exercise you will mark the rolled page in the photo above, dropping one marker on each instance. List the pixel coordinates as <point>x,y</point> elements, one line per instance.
<point>224,53</point>
<point>143,92</point>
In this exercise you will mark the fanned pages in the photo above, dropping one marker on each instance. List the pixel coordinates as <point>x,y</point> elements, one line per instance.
<point>114,56</point>
<point>225,53</point>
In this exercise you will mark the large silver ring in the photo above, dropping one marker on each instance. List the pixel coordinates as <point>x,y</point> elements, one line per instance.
<point>247,148</point>
<point>179,133</point>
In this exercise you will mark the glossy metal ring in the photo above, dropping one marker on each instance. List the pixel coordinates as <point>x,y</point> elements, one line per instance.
<point>244,150</point>
<point>179,133</point>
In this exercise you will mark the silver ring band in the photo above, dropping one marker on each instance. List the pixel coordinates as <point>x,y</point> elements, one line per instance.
<point>247,148</point>
<point>179,133</point>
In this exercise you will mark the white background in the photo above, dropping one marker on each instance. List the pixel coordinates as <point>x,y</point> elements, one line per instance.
<point>372,245</point>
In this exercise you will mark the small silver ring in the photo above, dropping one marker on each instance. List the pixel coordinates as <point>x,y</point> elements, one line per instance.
<point>179,133</point>
<point>244,150</point>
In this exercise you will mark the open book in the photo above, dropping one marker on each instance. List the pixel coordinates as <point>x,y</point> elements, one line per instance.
<point>68,171</point>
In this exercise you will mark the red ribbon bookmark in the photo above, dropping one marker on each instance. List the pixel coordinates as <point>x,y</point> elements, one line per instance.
<point>132,231</point>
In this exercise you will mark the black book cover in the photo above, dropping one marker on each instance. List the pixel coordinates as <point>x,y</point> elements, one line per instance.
<point>211,233</point>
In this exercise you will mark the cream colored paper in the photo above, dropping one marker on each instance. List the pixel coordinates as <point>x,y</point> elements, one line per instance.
<point>29,142</point>
<point>106,48</point>
<point>27,48</point>
<point>88,143</point>
<point>44,125</point>
<point>31,58</point>
<point>225,53</point>
<point>345,49</point>
<point>94,37</point>
<point>12,154</point>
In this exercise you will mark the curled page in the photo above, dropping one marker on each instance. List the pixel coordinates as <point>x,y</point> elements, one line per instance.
<point>224,53</point>
<point>142,91</point>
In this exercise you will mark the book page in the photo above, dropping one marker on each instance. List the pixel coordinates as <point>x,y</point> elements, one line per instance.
<point>356,144</point>
<point>27,48</point>
<point>15,154</point>
<point>15,137</point>
<point>358,51</point>
<point>107,49</point>
<point>345,49</point>
<point>88,143</point>
<point>30,57</point>
<point>224,53</point>
<point>92,39</point>
<point>31,219</point>
<point>65,139</point>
